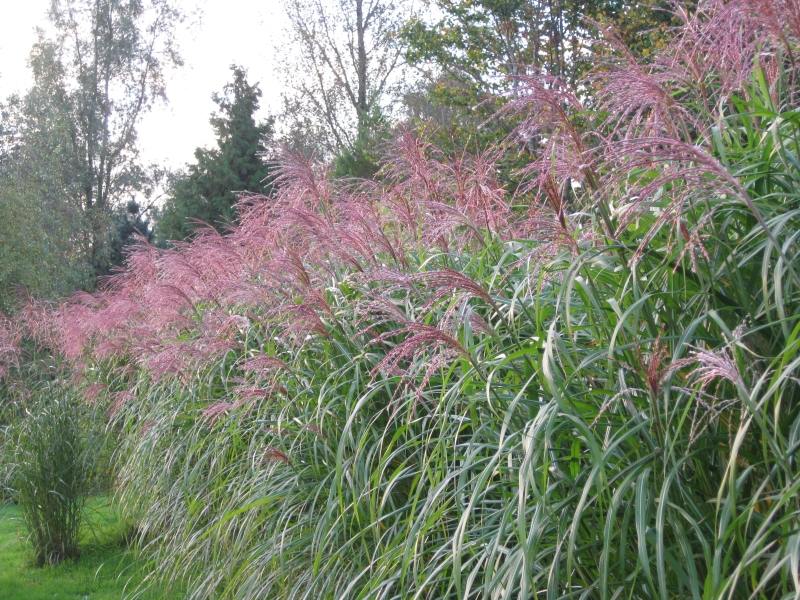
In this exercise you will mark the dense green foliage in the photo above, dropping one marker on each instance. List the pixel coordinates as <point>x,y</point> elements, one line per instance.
<point>38,229</point>
<point>210,190</point>
<point>131,226</point>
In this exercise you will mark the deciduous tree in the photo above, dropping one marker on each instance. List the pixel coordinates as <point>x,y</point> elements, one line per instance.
<point>345,72</point>
<point>41,234</point>
<point>98,67</point>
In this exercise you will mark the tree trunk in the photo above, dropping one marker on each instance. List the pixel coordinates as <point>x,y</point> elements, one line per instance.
<point>363,107</point>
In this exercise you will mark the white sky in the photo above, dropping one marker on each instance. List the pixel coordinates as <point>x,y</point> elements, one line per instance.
<point>231,31</point>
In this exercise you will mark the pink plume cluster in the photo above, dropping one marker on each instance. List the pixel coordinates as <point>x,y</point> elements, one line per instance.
<point>649,136</point>
<point>172,311</point>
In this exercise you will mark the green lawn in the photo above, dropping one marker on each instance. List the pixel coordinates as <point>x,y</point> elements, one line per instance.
<point>105,571</point>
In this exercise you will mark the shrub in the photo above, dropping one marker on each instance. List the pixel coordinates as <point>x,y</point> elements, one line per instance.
<point>52,447</point>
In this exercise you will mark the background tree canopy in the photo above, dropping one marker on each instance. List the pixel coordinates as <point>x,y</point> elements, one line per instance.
<point>70,155</point>
<point>474,52</point>
<point>41,234</point>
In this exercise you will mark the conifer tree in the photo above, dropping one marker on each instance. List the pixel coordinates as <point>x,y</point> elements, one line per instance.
<point>209,191</point>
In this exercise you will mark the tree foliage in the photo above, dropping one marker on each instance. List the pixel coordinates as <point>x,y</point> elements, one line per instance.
<point>209,191</point>
<point>475,52</point>
<point>97,68</point>
<point>42,234</point>
<point>132,225</point>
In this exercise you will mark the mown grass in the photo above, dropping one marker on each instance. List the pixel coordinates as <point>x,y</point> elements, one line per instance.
<point>106,570</point>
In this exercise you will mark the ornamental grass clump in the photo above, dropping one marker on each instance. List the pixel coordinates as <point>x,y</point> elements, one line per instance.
<point>50,449</point>
<point>432,387</point>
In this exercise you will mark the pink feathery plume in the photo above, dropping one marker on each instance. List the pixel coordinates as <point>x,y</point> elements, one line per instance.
<point>547,104</point>
<point>719,41</point>
<point>420,338</point>
<point>119,400</point>
<point>691,172</point>
<point>94,391</point>
<point>447,283</point>
<point>299,181</point>
<point>473,185</point>
<point>216,411</point>
<point>360,237</point>
<point>263,363</point>
<point>639,102</point>
<point>273,455</point>
<point>715,365</point>
<point>781,17</point>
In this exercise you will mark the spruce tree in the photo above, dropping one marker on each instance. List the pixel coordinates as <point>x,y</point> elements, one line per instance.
<point>209,191</point>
